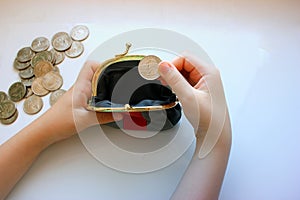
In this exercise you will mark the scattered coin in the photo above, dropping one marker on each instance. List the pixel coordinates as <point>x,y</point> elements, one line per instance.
<point>79,33</point>
<point>55,96</point>
<point>58,56</point>
<point>37,87</point>
<point>33,104</point>
<point>3,96</point>
<point>40,44</point>
<point>20,66</point>
<point>17,91</point>
<point>25,54</point>
<point>26,73</point>
<point>75,50</point>
<point>52,81</point>
<point>10,120</point>
<point>33,65</point>
<point>61,41</point>
<point>56,69</point>
<point>28,92</point>
<point>7,109</point>
<point>148,67</point>
<point>28,82</point>
<point>42,68</point>
<point>42,56</point>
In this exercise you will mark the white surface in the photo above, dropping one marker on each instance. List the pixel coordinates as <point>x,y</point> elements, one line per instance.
<point>256,46</point>
<point>115,149</point>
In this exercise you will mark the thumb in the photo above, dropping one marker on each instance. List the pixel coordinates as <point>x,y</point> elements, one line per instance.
<point>175,80</point>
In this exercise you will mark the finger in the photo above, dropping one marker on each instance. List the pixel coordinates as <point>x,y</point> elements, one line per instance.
<point>191,73</point>
<point>87,71</point>
<point>83,82</point>
<point>104,118</point>
<point>182,64</point>
<point>202,67</point>
<point>162,81</point>
<point>175,80</point>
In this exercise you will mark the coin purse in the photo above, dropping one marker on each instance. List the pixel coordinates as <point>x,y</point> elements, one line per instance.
<point>146,104</point>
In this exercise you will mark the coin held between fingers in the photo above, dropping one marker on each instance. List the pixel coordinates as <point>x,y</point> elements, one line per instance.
<point>148,67</point>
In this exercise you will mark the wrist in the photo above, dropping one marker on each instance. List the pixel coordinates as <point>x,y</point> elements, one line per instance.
<point>207,140</point>
<point>58,124</point>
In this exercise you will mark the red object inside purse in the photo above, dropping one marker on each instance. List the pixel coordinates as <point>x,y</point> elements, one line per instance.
<point>134,121</point>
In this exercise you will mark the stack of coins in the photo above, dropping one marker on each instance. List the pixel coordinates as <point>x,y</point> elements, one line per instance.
<point>39,73</point>
<point>8,111</point>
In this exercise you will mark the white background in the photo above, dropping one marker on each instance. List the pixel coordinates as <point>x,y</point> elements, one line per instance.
<point>254,43</point>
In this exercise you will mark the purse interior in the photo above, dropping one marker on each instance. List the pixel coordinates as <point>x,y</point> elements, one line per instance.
<point>120,84</point>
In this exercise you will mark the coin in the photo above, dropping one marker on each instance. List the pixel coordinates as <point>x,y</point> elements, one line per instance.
<point>25,54</point>
<point>7,109</point>
<point>10,120</point>
<point>3,96</point>
<point>26,73</point>
<point>28,92</point>
<point>52,81</point>
<point>17,91</point>
<point>44,55</point>
<point>61,41</point>
<point>33,104</point>
<point>20,66</point>
<point>75,50</point>
<point>40,44</point>
<point>58,56</point>
<point>56,95</point>
<point>42,68</point>
<point>56,69</point>
<point>79,33</point>
<point>28,82</point>
<point>37,87</point>
<point>148,67</point>
<point>38,70</point>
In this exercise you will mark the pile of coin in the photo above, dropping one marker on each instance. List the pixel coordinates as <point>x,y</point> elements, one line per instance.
<point>39,73</point>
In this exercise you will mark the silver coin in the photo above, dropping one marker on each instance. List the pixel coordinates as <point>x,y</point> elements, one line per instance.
<point>3,96</point>
<point>25,54</point>
<point>58,57</point>
<point>55,96</point>
<point>148,67</point>
<point>52,81</point>
<point>79,33</point>
<point>17,91</point>
<point>42,56</point>
<point>10,120</point>
<point>26,73</point>
<point>56,69</point>
<point>28,92</point>
<point>75,50</point>
<point>28,82</point>
<point>37,87</point>
<point>40,44</point>
<point>7,109</point>
<point>33,104</point>
<point>61,41</point>
<point>20,66</point>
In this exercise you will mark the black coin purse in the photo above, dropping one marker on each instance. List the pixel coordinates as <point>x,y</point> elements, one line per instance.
<point>118,87</point>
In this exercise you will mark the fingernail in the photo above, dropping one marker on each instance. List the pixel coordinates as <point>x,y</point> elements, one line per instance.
<point>164,68</point>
